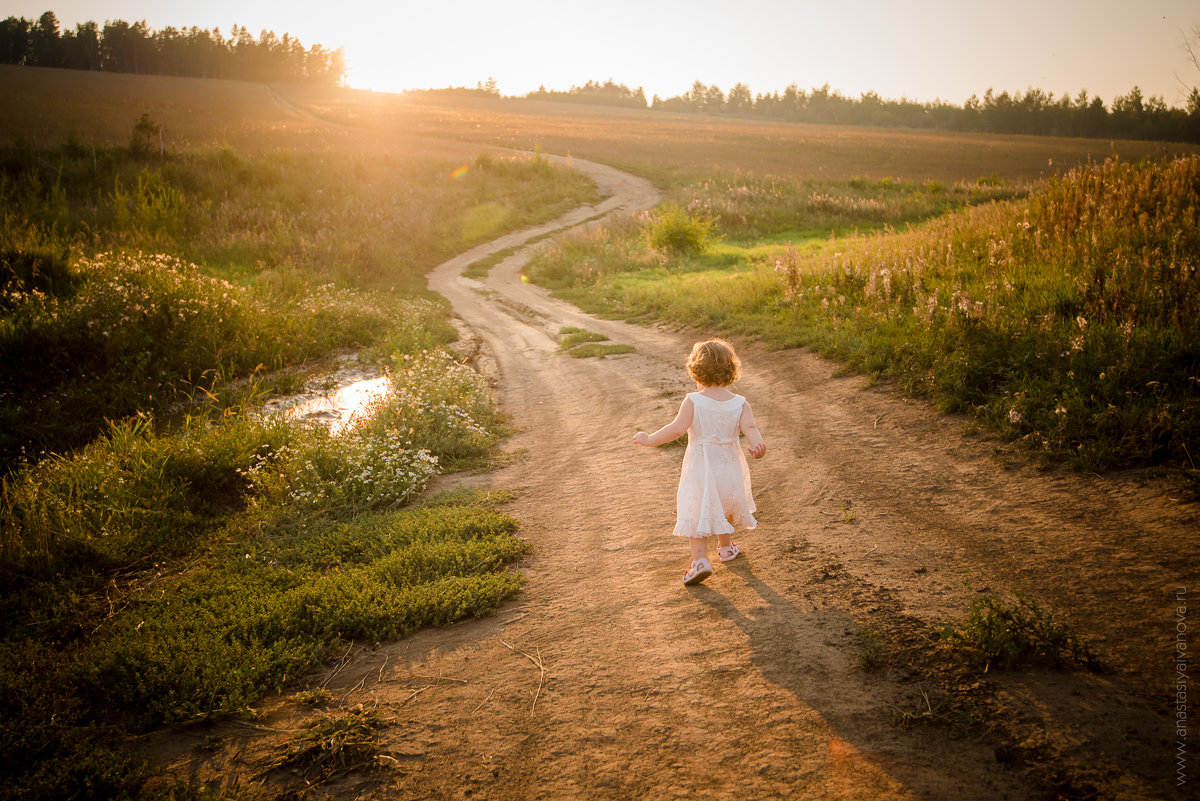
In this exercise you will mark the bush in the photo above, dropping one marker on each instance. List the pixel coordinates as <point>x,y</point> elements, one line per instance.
<point>678,231</point>
<point>1004,634</point>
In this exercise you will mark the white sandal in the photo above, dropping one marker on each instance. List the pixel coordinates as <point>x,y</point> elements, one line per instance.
<point>701,569</point>
<point>729,552</point>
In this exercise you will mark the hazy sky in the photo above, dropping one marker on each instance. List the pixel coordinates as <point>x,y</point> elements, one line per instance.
<point>921,49</point>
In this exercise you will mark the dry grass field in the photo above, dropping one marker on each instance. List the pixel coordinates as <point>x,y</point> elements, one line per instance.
<point>663,146</point>
<point>100,108</point>
<point>43,107</point>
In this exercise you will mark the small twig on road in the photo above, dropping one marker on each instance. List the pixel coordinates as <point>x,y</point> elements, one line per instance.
<point>484,701</point>
<point>436,679</point>
<point>875,425</point>
<point>338,667</point>
<point>868,553</point>
<point>260,727</point>
<point>538,664</point>
<point>412,695</point>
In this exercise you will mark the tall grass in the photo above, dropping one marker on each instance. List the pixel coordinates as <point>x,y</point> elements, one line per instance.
<point>748,207</point>
<point>358,219</point>
<point>1065,320</point>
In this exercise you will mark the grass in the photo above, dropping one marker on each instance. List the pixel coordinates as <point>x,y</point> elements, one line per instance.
<point>168,578</point>
<point>572,336</point>
<point>600,351</point>
<point>999,633</point>
<point>282,259</point>
<point>1063,319</point>
<point>583,344</point>
<point>870,652</point>
<point>333,744</point>
<point>480,269</point>
<point>929,707</point>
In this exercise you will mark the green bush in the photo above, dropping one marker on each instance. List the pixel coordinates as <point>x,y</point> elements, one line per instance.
<point>679,231</point>
<point>130,496</point>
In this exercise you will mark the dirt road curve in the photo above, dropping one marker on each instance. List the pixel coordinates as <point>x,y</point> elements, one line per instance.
<point>608,679</point>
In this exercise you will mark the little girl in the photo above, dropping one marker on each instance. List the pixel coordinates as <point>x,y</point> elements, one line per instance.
<point>714,487</point>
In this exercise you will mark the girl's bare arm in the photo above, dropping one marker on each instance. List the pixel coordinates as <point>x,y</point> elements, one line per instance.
<point>754,438</point>
<point>672,430</point>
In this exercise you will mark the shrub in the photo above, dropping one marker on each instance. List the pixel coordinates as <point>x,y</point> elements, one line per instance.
<point>1004,634</point>
<point>677,231</point>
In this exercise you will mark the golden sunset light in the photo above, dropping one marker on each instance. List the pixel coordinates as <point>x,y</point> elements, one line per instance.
<point>621,401</point>
<point>924,50</point>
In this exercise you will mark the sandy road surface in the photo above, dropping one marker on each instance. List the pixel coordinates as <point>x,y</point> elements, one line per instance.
<point>607,678</point>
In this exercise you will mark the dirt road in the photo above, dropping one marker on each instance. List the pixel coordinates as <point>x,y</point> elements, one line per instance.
<point>607,678</point>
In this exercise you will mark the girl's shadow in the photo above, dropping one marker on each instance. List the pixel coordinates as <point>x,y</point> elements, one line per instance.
<point>792,648</point>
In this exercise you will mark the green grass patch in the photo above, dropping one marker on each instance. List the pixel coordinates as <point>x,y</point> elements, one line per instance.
<point>572,336</point>
<point>597,350</point>
<point>583,344</point>
<point>333,744</point>
<point>480,269</point>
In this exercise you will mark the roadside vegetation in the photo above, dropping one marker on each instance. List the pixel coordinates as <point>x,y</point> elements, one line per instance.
<point>583,344</point>
<point>168,555</point>
<point>1002,634</point>
<point>1063,316</point>
<point>134,282</point>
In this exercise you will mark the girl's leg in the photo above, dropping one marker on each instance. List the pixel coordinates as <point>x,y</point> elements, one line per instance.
<point>726,550</point>
<point>723,540</point>
<point>700,570</point>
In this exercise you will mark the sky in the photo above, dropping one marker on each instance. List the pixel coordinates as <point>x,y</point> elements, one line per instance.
<point>917,49</point>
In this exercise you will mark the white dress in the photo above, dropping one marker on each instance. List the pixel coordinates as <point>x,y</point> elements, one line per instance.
<point>715,481</point>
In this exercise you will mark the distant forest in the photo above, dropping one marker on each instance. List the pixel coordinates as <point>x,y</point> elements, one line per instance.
<point>191,52</point>
<point>1131,116</point>
<point>195,52</point>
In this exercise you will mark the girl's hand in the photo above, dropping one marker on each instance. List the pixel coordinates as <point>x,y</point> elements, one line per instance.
<point>641,438</point>
<point>758,451</point>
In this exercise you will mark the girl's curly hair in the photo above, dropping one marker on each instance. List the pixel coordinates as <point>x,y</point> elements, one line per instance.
<point>714,363</point>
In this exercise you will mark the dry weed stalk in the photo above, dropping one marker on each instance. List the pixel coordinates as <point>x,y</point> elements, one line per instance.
<point>538,664</point>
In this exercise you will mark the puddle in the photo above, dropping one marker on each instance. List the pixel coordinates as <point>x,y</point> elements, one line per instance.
<point>334,398</point>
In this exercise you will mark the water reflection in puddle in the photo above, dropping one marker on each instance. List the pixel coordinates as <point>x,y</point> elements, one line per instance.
<point>332,400</point>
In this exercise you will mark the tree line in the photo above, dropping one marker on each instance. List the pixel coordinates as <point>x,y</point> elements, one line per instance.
<point>118,46</point>
<point>1131,116</point>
